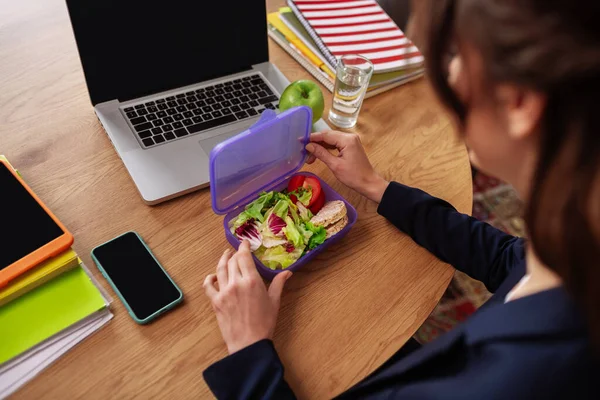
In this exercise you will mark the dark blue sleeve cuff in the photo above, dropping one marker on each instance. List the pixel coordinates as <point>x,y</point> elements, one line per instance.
<point>254,372</point>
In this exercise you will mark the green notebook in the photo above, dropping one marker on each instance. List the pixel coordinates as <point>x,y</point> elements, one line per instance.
<point>46,311</point>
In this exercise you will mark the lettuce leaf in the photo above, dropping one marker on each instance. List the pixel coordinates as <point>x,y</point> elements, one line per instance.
<point>281,208</point>
<point>277,196</point>
<point>259,252</point>
<point>269,241</point>
<point>305,213</point>
<point>275,223</point>
<point>285,207</point>
<point>278,257</point>
<point>281,196</point>
<point>255,209</point>
<point>292,233</point>
<point>303,195</point>
<point>271,231</point>
<point>318,236</point>
<point>249,231</point>
<point>238,221</point>
<point>294,214</point>
<point>307,233</point>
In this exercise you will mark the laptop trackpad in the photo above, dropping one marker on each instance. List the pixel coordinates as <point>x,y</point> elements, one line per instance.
<point>209,143</point>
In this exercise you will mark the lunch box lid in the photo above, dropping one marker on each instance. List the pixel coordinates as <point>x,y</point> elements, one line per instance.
<point>267,153</point>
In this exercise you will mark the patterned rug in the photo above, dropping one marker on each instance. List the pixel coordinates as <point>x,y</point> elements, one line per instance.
<point>496,203</point>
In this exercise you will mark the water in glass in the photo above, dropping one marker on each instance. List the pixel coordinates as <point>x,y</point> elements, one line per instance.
<point>351,83</point>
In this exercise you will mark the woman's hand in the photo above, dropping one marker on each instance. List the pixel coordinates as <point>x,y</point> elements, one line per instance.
<point>351,165</point>
<point>246,310</point>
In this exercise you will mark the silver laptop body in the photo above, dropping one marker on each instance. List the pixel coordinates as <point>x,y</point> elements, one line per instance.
<point>180,166</point>
<point>137,52</point>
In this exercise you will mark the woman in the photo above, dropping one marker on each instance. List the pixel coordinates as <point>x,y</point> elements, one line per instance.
<point>523,87</point>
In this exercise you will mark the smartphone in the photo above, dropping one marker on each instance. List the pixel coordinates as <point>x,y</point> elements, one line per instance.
<point>137,277</point>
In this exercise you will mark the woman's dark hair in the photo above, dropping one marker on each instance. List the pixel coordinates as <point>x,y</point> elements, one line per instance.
<point>552,47</point>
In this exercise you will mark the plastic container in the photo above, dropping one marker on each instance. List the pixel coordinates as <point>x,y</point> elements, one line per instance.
<point>264,158</point>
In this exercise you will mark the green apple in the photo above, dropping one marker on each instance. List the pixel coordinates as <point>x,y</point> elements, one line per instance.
<point>303,93</point>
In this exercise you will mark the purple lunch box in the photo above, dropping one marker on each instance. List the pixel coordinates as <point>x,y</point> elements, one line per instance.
<point>261,159</point>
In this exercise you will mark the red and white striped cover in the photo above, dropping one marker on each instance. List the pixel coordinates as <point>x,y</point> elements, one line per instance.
<point>357,27</point>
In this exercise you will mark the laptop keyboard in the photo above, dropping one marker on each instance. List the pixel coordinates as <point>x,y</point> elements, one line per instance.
<point>184,114</point>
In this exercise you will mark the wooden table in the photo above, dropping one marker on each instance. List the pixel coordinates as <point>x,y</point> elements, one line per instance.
<point>341,317</point>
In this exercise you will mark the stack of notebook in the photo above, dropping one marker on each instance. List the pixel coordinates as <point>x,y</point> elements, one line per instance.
<point>44,313</point>
<point>318,33</point>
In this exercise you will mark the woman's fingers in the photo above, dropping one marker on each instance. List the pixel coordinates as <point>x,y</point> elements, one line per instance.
<point>222,268</point>
<point>322,154</point>
<point>245,260</point>
<point>277,287</point>
<point>331,139</point>
<point>233,271</point>
<point>323,141</point>
<point>328,137</point>
<point>209,286</point>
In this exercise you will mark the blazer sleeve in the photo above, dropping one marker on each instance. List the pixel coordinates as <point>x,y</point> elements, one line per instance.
<point>471,246</point>
<point>255,372</point>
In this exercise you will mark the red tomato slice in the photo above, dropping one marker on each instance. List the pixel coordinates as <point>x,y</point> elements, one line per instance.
<point>314,184</point>
<point>295,182</point>
<point>318,204</point>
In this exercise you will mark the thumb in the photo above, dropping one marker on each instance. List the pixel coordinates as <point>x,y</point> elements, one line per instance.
<point>277,287</point>
<point>322,154</point>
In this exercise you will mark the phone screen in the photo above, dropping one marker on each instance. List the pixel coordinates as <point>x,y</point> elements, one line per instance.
<point>25,224</point>
<point>134,272</point>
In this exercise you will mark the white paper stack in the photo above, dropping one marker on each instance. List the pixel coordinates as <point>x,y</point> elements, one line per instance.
<point>19,370</point>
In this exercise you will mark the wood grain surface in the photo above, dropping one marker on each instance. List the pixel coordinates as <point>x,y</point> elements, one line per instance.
<point>341,317</point>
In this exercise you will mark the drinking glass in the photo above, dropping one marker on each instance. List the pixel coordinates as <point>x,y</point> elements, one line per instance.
<point>351,82</point>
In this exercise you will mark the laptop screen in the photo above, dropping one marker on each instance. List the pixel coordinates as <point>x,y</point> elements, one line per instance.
<point>133,48</point>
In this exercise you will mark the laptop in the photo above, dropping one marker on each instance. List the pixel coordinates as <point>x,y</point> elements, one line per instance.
<point>169,80</point>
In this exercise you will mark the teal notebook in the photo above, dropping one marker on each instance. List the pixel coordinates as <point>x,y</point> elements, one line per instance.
<point>46,311</point>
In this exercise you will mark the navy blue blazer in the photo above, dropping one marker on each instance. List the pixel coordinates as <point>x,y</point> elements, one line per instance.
<point>535,347</point>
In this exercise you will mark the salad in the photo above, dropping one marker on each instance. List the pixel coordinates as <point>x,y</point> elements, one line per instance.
<point>278,224</point>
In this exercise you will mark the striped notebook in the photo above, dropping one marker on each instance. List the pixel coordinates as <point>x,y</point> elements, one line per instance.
<point>407,76</point>
<point>343,27</point>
